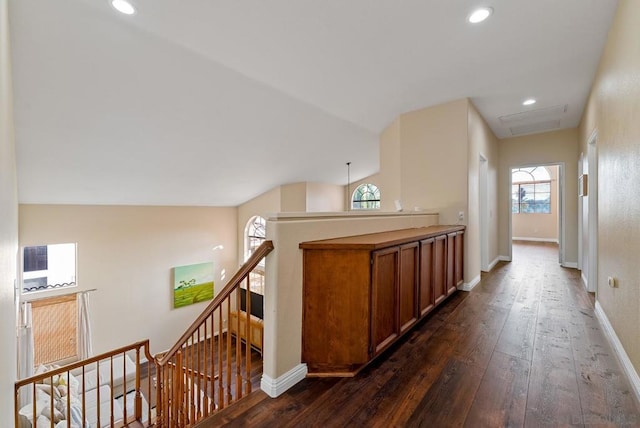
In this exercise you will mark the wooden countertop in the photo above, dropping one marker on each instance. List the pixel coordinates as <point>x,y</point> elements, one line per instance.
<point>375,241</point>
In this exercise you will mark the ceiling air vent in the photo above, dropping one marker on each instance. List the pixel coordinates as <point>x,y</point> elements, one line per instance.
<point>531,128</point>
<point>542,114</point>
<point>534,121</point>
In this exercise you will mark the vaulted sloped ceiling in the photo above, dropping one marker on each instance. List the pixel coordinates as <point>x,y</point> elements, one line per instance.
<point>207,102</point>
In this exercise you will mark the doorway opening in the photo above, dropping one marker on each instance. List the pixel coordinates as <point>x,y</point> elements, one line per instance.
<point>588,215</point>
<point>484,215</point>
<point>537,206</point>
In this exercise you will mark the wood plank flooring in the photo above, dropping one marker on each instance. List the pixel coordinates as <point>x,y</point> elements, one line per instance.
<point>523,349</point>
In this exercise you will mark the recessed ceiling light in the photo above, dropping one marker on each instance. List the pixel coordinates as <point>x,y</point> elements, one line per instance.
<point>123,6</point>
<point>528,102</point>
<point>480,15</point>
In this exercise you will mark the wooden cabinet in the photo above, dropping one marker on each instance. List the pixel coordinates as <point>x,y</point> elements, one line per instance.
<point>361,293</point>
<point>384,320</point>
<point>455,257</point>
<point>425,290</point>
<point>395,291</point>
<point>459,258</point>
<point>336,318</point>
<point>408,285</point>
<point>451,264</point>
<point>439,268</point>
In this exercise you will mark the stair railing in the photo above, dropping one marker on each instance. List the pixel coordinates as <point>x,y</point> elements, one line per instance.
<point>113,381</point>
<point>208,369</point>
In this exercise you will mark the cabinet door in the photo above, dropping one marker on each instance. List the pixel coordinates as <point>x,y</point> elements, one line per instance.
<point>459,256</point>
<point>408,287</point>
<point>384,293</point>
<point>336,310</point>
<point>451,261</point>
<point>425,287</point>
<point>439,268</point>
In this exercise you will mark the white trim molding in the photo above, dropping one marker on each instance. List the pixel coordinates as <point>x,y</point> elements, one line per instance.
<point>275,387</point>
<point>630,371</point>
<point>504,258</point>
<point>570,265</point>
<point>526,238</point>
<point>493,263</point>
<point>469,286</point>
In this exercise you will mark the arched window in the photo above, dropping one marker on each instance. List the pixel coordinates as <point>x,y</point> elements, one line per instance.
<point>255,235</point>
<point>530,190</point>
<point>366,197</point>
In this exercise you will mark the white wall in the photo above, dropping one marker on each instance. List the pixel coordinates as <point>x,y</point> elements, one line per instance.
<point>127,253</point>
<point>8,227</point>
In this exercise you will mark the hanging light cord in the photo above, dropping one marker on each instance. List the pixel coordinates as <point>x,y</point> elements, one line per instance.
<point>348,186</point>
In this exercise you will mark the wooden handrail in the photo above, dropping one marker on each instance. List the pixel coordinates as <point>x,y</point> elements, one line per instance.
<point>194,377</point>
<point>66,370</point>
<point>69,367</point>
<point>265,248</point>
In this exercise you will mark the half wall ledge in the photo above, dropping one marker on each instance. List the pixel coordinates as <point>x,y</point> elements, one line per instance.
<point>288,216</point>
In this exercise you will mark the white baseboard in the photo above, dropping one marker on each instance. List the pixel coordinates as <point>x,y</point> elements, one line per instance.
<point>630,371</point>
<point>526,238</point>
<point>275,387</point>
<point>493,263</point>
<point>504,258</point>
<point>584,281</point>
<point>570,265</point>
<point>469,286</point>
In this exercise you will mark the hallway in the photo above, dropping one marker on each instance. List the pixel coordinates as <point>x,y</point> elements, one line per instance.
<point>524,348</point>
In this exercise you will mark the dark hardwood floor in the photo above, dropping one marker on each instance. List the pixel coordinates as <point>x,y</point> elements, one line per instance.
<point>524,348</point>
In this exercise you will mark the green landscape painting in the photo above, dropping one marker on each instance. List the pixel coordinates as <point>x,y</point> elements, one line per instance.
<point>192,284</point>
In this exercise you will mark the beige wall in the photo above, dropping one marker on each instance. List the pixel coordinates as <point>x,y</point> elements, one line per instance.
<point>429,159</point>
<point>323,197</point>
<point>482,142</point>
<point>127,253</point>
<point>390,166</point>
<point>262,205</point>
<point>434,159</point>
<point>540,149</point>
<point>8,226</point>
<point>296,197</point>
<point>293,197</point>
<point>613,108</point>
<point>283,291</point>
<point>537,226</point>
